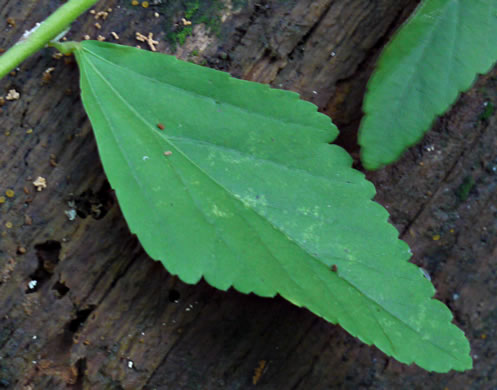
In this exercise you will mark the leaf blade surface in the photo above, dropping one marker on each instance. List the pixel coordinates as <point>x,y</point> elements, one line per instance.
<point>242,188</point>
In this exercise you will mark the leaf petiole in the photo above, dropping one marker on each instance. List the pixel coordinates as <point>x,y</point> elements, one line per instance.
<point>64,47</point>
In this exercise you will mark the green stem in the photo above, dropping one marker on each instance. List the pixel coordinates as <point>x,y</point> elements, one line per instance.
<point>47,30</point>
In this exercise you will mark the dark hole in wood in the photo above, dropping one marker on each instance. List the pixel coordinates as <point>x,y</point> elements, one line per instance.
<point>48,257</point>
<point>93,204</point>
<point>174,296</point>
<point>60,289</point>
<point>81,368</point>
<point>81,316</point>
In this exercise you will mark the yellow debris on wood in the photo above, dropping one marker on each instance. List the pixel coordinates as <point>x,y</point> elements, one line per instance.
<point>436,237</point>
<point>10,193</point>
<point>47,75</point>
<point>148,39</point>
<point>259,370</point>
<point>53,160</point>
<point>102,15</point>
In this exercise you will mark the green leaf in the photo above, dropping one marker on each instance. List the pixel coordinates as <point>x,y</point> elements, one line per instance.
<point>433,57</point>
<point>241,187</point>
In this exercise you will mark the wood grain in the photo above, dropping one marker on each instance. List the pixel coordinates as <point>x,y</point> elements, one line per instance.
<point>105,316</point>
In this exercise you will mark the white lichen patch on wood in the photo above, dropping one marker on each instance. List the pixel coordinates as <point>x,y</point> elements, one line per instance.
<point>12,95</point>
<point>227,10</point>
<point>40,183</point>
<point>71,214</point>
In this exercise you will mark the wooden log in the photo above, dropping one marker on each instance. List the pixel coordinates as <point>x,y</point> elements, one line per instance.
<point>102,315</point>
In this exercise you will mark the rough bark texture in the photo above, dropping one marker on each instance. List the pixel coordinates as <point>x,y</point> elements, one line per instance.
<point>105,316</point>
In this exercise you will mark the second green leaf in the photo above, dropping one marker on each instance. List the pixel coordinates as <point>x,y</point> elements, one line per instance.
<point>435,56</point>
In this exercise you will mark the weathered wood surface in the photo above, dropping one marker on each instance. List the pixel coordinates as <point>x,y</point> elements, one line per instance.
<point>105,316</point>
